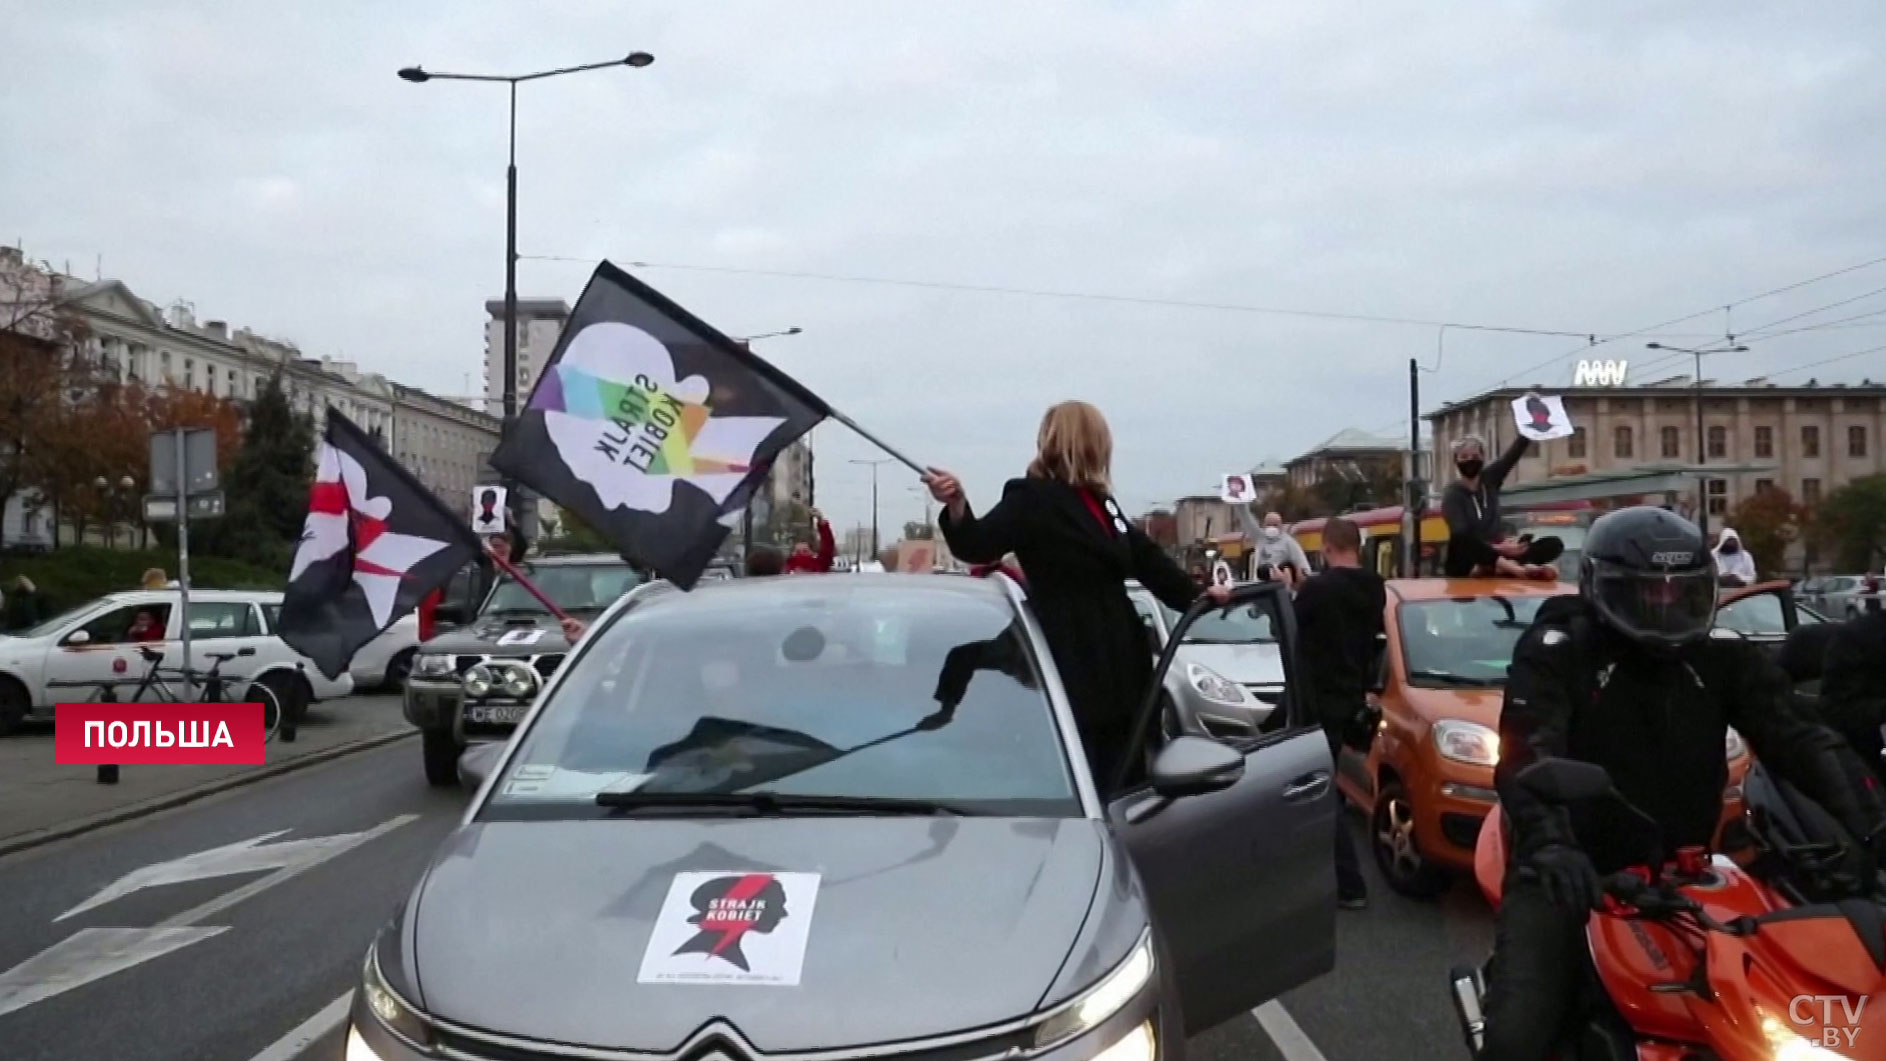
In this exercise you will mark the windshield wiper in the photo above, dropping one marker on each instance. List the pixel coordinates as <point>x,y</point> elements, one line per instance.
<point>1450,678</point>
<point>774,804</point>
<point>1227,641</point>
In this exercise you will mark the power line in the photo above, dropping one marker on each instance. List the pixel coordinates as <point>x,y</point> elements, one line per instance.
<point>1811,312</point>
<point>1825,361</point>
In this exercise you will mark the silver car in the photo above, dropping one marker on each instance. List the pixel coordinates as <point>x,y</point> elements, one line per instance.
<point>849,816</point>
<point>1228,676</point>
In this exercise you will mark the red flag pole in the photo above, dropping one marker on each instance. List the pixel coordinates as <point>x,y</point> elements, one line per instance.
<point>529,586</point>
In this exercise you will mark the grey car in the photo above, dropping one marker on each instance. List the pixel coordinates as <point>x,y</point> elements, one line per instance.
<point>1228,677</point>
<point>849,816</point>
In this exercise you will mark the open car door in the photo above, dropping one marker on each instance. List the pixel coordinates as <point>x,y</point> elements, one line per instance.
<point>1240,873</point>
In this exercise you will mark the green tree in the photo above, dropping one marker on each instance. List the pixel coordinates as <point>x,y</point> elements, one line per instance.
<point>1767,523</point>
<point>579,537</point>
<point>1851,523</point>
<point>267,484</point>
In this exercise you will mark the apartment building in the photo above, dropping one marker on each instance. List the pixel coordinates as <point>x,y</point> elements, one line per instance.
<point>540,323</point>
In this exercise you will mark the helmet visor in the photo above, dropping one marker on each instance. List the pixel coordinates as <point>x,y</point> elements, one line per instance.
<point>1655,607</point>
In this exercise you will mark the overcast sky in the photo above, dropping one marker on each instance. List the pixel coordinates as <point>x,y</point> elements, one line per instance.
<point>1579,167</point>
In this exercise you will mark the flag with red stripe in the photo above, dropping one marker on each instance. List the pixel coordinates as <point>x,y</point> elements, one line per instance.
<point>376,542</point>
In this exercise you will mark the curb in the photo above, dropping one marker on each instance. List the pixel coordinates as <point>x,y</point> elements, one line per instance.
<point>189,795</point>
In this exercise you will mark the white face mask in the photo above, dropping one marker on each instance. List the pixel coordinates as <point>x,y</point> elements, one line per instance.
<point>1273,533</point>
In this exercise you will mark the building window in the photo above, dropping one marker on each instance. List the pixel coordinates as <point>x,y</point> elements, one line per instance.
<point>1810,491</point>
<point>1856,441</point>
<point>1671,442</point>
<point>1764,442</point>
<point>1718,496</point>
<point>1575,445</point>
<point>1718,442</point>
<point>1621,443</point>
<point>1762,486</point>
<point>1810,441</point>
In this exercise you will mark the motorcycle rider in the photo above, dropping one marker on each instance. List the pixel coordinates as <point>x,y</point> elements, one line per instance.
<point>1629,675</point>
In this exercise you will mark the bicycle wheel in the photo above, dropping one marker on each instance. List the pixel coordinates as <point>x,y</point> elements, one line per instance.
<point>257,693</point>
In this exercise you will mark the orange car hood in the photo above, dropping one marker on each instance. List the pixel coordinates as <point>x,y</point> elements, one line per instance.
<point>1468,705</point>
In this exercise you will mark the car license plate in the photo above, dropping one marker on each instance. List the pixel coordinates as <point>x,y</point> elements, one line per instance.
<point>496,714</point>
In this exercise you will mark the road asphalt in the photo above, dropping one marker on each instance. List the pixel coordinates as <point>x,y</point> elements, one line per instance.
<point>292,946</point>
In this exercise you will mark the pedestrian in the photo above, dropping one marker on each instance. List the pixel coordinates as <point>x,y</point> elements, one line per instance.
<point>1078,548</point>
<point>1734,565</point>
<point>1275,555</point>
<point>803,561</point>
<point>25,606</point>
<point>1476,543</point>
<point>1339,625</point>
<point>154,578</point>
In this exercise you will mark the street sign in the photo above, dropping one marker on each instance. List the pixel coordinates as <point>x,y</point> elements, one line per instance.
<point>164,509</point>
<point>199,459</point>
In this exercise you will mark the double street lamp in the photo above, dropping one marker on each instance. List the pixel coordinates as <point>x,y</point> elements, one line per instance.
<point>111,498</point>
<point>417,75</point>
<point>1702,448</point>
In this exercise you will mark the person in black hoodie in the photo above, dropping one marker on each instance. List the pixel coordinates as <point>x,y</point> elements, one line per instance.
<point>1339,622</point>
<point>1630,674</point>
<point>1079,550</point>
<point>1853,683</point>
<point>1477,542</point>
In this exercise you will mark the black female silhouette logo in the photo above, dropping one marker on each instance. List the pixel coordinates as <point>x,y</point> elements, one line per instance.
<point>727,908</point>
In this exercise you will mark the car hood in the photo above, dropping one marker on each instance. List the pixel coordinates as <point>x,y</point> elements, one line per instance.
<point>1258,663</point>
<point>920,926</point>
<point>1467,705</point>
<point>481,637</point>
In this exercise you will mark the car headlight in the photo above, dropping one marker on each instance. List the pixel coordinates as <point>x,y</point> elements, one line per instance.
<point>1733,744</point>
<point>1103,1000</point>
<point>479,681</point>
<point>515,680</point>
<point>1214,686</point>
<point>432,666</point>
<point>394,1013</point>
<point>1136,1045</point>
<point>1789,1046</point>
<point>1467,742</point>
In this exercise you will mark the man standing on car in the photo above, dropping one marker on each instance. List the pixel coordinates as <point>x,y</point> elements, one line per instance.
<point>1339,621</point>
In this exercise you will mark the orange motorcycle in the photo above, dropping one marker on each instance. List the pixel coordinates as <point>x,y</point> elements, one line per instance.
<point>1694,958</point>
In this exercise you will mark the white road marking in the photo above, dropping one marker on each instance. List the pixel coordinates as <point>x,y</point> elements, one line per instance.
<point>94,953</point>
<point>1286,1033</point>
<point>304,1035</point>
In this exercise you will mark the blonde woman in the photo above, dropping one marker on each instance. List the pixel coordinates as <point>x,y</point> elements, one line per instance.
<point>154,578</point>
<point>1078,549</point>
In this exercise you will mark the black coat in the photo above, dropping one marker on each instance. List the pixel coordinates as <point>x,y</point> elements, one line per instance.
<point>1077,568</point>
<point>1853,683</point>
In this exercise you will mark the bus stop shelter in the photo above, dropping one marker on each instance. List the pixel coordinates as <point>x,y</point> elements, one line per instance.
<point>1650,484</point>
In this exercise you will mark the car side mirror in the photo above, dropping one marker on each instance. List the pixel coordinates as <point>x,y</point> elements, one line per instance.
<point>477,763</point>
<point>78,637</point>
<point>1192,766</point>
<point>1565,781</point>
<point>247,650</point>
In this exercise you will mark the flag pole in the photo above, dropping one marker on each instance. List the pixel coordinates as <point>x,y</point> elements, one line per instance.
<point>529,587</point>
<point>878,442</point>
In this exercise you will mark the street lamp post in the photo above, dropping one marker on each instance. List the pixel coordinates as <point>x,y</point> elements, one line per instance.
<point>875,543</point>
<point>112,497</point>
<point>1702,447</point>
<point>417,75</point>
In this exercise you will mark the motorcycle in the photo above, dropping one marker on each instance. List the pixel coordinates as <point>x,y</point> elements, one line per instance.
<point>1694,958</point>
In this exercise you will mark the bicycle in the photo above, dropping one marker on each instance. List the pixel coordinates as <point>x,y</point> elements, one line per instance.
<point>217,687</point>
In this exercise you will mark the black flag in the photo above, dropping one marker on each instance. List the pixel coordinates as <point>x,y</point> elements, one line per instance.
<point>375,543</point>
<point>652,426</point>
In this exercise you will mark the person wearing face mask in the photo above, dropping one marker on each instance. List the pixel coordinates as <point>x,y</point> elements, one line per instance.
<point>1734,565</point>
<point>1471,505</point>
<point>1275,554</point>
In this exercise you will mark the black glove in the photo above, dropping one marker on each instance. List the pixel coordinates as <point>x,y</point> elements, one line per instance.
<point>1570,881</point>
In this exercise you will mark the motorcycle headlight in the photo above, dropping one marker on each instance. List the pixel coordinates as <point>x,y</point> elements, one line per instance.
<point>1467,742</point>
<point>394,1013</point>
<point>1733,745</point>
<point>432,666</point>
<point>1214,686</point>
<point>479,681</point>
<point>1102,1001</point>
<point>1789,1046</point>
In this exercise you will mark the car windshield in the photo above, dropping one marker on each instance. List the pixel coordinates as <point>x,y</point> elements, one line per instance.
<point>853,691</point>
<point>1246,624</point>
<point>1463,641</point>
<point>575,588</point>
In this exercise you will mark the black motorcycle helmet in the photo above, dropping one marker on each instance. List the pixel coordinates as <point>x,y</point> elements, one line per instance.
<point>1650,575</point>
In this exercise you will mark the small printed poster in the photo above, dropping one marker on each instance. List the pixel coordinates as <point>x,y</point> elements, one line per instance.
<point>1542,417</point>
<point>1221,574</point>
<point>732,928</point>
<point>488,509</point>
<point>1237,490</point>
<point>521,637</point>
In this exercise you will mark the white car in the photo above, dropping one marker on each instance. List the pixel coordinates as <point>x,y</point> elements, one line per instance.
<point>94,643</point>
<point>384,662</point>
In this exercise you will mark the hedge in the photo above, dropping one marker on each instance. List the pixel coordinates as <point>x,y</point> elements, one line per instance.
<point>72,575</point>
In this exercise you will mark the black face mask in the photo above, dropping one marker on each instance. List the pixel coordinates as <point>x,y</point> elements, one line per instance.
<point>1731,547</point>
<point>1469,469</point>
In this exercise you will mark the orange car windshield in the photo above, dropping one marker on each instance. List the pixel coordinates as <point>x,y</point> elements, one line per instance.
<point>1463,641</point>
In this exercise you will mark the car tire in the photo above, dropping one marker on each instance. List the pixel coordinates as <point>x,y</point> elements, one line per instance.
<point>1397,851</point>
<point>397,670</point>
<point>292,692</point>
<point>441,754</point>
<point>14,705</point>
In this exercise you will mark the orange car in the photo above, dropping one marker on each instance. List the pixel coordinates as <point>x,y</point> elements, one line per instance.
<point>1426,782</point>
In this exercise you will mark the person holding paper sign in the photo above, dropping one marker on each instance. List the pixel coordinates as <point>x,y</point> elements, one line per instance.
<point>1476,545</point>
<point>1274,554</point>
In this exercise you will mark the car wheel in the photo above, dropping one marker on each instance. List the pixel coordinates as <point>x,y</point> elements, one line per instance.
<point>292,692</point>
<point>441,753</point>
<point>1397,854</point>
<point>397,669</point>
<point>14,703</point>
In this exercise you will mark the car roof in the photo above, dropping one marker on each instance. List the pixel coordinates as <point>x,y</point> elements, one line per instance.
<point>764,591</point>
<point>262,596</point>
<point>572,559</point>
<point>1427,589</point>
